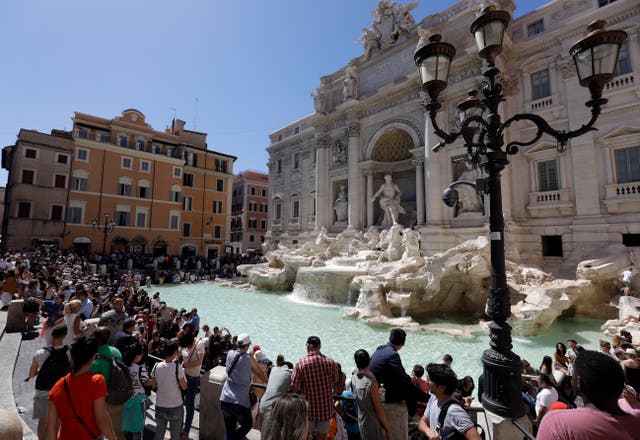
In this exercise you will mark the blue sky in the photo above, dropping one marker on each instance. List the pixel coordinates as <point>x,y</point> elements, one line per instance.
<point>236,70</point>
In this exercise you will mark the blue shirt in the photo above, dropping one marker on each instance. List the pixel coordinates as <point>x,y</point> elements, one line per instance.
<point>236,387</point>
<point>54,311</point>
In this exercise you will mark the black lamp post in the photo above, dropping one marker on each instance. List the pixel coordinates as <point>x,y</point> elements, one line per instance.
<point>595,56</point>
<point>106,228</point>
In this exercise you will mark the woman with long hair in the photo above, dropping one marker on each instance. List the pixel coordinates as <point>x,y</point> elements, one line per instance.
<point>288,419</point>
<point>72,320</point>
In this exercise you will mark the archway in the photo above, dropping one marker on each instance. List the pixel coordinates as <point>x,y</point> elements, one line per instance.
<point>119,244</point>
<point>159,248</point>
<point>81,245</point>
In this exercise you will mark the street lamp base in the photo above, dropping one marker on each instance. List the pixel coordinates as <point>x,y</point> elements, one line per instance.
<point>502,384</point>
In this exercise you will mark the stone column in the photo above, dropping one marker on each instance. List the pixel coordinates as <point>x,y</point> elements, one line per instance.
<point>419,163</point>
<point>370,219</point>
<point>323,203</point>
<point>432,177</point>
<point>355,191</point>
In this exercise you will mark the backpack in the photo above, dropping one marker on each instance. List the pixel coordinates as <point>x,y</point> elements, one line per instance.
<point>54,367</point>
<point>120,386</point>
<point>454,435</point>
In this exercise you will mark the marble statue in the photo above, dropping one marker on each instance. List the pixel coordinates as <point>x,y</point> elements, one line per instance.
<point>350,83</point>
<point>404,19</point>
<point>370,41</point>
<point>341,205</point>
<point>468,198</point>
<point>410,243</point>
<point>319,101</point>
<point>389,194</point>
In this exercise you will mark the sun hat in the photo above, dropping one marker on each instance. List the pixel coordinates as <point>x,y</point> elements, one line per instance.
<point>244,339</point>
<point>631,351</point>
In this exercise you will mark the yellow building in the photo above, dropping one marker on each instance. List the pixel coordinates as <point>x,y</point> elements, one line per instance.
<point>162,191</point>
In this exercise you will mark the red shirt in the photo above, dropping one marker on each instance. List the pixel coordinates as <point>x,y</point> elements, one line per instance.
<point>314,376</point>
<point>84,390</point>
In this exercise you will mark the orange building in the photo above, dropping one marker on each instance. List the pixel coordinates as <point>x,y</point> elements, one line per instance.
<point>162,191</point>
<point>249,212</point>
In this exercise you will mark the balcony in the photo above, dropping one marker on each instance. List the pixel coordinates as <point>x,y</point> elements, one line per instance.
<point>622,198</point>
<point>545,203</point>
<point>620,82</point>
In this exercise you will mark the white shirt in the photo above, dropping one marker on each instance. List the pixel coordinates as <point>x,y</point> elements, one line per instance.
<point>545,398</point>
<point>168,394</point>
<point>195,354</point>
<point>626,276</point>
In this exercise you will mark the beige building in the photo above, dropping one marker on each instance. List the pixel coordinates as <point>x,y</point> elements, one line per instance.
<point>370,121</point>
<point>37,186</point>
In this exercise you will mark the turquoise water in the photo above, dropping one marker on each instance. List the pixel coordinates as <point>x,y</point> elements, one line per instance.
<point>280,324</point>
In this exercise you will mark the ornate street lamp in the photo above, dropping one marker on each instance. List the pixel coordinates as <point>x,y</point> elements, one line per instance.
<point>106,228</point>
<point>595,56</point>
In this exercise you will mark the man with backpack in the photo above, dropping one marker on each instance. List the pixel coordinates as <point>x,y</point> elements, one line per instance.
<point>109,364</point>
<point>49,364</point>
<point>444,417</point>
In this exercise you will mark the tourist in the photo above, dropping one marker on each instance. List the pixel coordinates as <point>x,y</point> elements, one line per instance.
<point>72,320</point>
<point>387,368</point>
<point>170,380</point>
<point>192,352</point>
<point>133,414</point>
<point>9,288</point>
<point>600,382</point>
<point>464,391</point>
<point>234,399</point>
<point>605,348</point>
<point>113,319</point>
<point>288,419</point>
<point>447,359</point>
<point>102,366</point>
<point>444,415</point>
<point>194,320</point>
<point>125,335</point>
<point>631,369</point>
<point>86,310</point>
<point>626,281</point>
<point>77,408</point>
<point>547,395</point>
<point>372,420</point>
<point>315,376</point>
<point>49,364</point>
<point>278,385</point>
<point>54,309</point>
<point>31,305</point>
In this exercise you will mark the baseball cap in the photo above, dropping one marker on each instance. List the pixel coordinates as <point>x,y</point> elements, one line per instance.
<point>314,341</point>
<point>244,339</point>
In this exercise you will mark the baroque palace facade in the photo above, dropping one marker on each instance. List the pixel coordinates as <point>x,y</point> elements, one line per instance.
<point>164,191</point>
<point>370,121</point>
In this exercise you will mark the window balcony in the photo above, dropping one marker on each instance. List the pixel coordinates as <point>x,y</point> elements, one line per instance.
<point>622,198</point>
<point>545,203</point>
<point>620,82</point>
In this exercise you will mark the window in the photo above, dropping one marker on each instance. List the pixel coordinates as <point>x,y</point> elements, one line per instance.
<point>278,213</point>
<point>124,189</point>
<point>62,158</point>
<point>83,133</point>
<point>141,144</point>
<point>279,166</point>
<point>263,192</point>
<point>540,84</point>
<point>253,190</point>
<point>628,164</point>
<point>552,245</point>
<point>56,212</point>
<point>175,195</point>
<point>263,224</point>
<point>186,230</point>
<point>631,240</point>
<point>174,221</point>
<point>296,161</point>
<point>253,206</point>
<point>535,28</point>
<point>221,165</point>
<point>123,140</point>
<point>548,175</point>
<point>295,209</point>
<point>296,130</point>
<point>187,204</point>
<point>217,231</point>
<point>262,238</point>
<point>24,209</point>
<point>187,179</point>
<point>82,155</point>
<point>143,192</point>
<point>79,183</point>
<point>145,166</point>
<point>60,181</point>
<point>30,153</point>
<point>602,3</point>
<point>624,60</point>
<point>217,207</point>
<point>103,137</point>
<point>253,223</point>
<point>28,177</point>
<point>252,237</point>
<point>141,219</point>
<point>219,185</point>
<point>74,215</point>
<point>122,218</point>
<point>126,163</point>
<point>177,172</point>
<point>263,207</point>
<point>192,160</point>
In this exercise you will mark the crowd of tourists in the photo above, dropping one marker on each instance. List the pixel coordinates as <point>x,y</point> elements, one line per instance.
<point>109,344</point>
